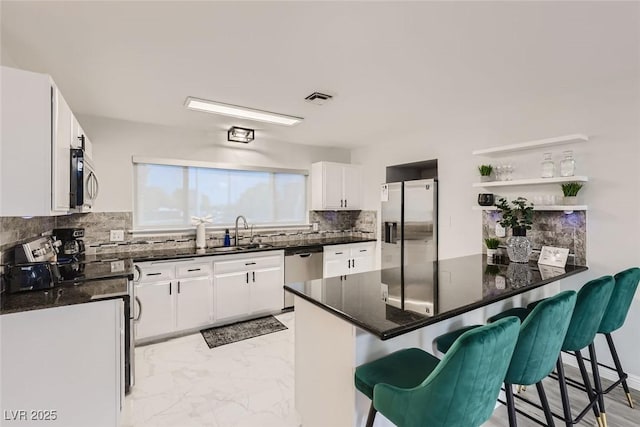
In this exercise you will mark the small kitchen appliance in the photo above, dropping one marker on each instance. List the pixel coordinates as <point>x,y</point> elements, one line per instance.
<point>71,240</point>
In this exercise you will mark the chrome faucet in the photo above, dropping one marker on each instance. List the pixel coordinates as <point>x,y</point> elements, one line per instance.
<point>245,227</point>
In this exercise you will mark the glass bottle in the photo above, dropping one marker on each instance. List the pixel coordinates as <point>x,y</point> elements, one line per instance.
<point>548,168</point>
<point>567,165</point>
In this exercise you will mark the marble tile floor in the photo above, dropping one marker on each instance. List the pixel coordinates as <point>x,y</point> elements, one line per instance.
<point>183,383</point>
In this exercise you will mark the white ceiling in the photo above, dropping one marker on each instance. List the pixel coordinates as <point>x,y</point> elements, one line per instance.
<point>390,65</point>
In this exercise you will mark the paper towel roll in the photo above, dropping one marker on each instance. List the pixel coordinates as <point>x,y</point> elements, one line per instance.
<point>200,240</point>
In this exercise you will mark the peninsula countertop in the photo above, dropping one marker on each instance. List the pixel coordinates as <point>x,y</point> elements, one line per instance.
<point>392,302</point>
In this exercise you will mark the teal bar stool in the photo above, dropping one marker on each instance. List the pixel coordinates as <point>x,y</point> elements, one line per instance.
<point>412,388</point>
<point>542,334</point>
<point>591,303</point>
<point>626,283</point>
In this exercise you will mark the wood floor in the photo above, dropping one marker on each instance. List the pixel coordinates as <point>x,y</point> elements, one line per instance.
<point>619,414</point>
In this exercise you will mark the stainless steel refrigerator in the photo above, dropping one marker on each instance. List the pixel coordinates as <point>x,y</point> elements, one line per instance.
<point>409,216</point>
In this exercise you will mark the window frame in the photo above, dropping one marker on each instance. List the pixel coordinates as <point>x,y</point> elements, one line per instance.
<point>137,160</point>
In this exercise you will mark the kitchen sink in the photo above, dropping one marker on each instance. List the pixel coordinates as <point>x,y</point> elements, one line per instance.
<point>228,248</point>
<point>257,246</point>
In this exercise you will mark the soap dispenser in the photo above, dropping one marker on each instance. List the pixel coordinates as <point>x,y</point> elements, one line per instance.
<point>227,238</point>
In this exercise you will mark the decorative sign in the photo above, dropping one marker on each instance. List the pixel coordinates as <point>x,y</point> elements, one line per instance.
<point>555,257</point>
<point>384,193</point>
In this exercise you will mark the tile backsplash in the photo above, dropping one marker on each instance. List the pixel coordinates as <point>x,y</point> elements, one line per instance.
<point>97,225</point>
<point>549,228</point>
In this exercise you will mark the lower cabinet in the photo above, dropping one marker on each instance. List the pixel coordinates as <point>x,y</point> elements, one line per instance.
<point>173,297</point>
<point>341,260</point>
<point>246,285</point>
<point>63,366</point>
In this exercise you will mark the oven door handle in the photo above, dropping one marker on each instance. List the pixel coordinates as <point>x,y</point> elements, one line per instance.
<point>136,319</point>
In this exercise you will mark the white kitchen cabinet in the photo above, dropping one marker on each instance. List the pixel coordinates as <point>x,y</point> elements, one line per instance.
<point>36,142</point>
<point>248,284</point>
<point>156,309</point>
<point>335,186</point>
<point>340,260</point>
<point>174,296</point>
<point>65,363</point>
<point>232,294</point>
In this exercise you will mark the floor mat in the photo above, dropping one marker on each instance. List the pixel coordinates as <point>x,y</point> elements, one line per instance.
<point>221,335</point>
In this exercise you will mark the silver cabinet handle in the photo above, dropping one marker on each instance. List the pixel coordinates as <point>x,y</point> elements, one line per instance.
<point>169,288</point>
<point>137,267</point>
<point>247,277</point>
<point>254,276</point>
<point>349,263</point>
<point>178,286</point>
<point>345,203</point>
<point>353,263</point>
<point>193,269</point>
<point>139,310</point>
<point>341,203</point>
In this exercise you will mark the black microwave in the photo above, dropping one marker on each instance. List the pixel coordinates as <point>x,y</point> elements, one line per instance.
<point>84,182</point>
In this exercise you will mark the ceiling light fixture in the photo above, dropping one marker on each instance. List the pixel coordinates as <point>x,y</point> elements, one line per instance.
<point>238,134</point>
<point>240,112</point>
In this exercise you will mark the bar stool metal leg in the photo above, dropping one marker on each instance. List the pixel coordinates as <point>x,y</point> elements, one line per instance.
<point>545,405</point>
<point>564,395</point>
<point>587,384</point>
<point>597,383</point>
<point>511,404</point>
<point>372,416</point>
<point>621,374</point>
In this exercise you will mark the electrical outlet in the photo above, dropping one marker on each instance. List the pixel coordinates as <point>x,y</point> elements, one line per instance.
<point>116,235</point>
<point>500,231</point>
<point>117,266</point>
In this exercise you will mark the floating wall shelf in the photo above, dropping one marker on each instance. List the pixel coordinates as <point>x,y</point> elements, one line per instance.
<point>540,143</point>
<point>531,181</point>
<point>540,208</point>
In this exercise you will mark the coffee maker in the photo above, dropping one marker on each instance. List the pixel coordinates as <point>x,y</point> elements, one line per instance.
<point>71,240</point>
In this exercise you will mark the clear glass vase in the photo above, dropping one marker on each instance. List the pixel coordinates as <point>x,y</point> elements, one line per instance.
<point>518,246</point>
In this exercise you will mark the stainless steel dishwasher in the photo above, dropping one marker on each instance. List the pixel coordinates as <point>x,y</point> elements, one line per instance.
<point>300,265</point>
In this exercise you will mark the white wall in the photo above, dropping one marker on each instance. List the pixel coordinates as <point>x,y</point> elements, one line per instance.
<point>116,141</point>
<point>608,112</point>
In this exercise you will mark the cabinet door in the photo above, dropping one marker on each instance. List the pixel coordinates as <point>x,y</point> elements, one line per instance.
<point>332,186</point>
<point>156,309</point>
<point>231,294</point>
<point>363,258</point>
<point>267,291</point>
<point>194,305</point>
<point>335,267</point>
<point>61,153</point>
<point>351,186</point>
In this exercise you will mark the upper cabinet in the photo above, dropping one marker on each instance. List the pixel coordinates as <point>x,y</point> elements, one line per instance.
<point>38,132</point>
<point>336,186</point>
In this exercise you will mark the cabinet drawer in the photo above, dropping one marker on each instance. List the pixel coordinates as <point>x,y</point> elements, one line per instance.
<point>363,249</point>
<point>193,270</point>
<point>337,252</point>
<point>153,273</point>
<point>247,264</point>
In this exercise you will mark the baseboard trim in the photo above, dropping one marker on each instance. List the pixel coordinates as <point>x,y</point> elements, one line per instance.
<point>633,381</point>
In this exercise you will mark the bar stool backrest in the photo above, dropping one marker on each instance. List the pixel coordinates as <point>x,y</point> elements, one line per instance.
<point>463,388</point>
<point>587,315</point>
<point>540,341</point>
<point>621,298</point>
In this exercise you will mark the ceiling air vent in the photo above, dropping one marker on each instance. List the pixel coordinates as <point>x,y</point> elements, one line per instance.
<point>318,98</point>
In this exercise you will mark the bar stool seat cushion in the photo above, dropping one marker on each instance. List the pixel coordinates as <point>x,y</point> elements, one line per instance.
<point>405,368</point>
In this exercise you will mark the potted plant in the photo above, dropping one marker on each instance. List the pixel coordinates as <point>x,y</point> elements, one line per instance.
<point>518,216</point>
<point>492,246</point>
<point>485,172</point>
<point>570,191</point>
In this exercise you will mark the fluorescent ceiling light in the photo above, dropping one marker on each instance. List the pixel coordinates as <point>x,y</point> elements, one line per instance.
<point>240,112</point>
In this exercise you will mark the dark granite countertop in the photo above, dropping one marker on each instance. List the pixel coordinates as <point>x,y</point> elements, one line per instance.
<point>157,255</point>
<point>82,281</point>
<point>65,293</point>
<point>391,302</point>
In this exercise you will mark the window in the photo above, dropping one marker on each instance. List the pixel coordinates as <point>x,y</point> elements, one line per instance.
<point>167,195</point>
